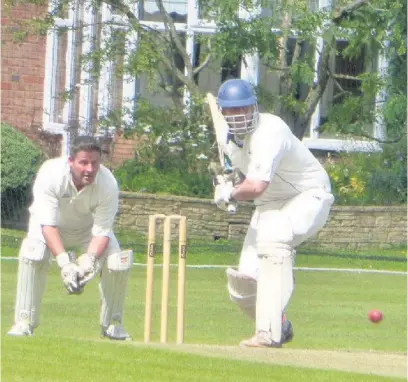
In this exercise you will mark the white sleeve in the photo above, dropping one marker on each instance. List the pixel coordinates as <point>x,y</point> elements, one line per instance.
<point>266,153</point>
<point>45,198</point>
<point>105,211</point>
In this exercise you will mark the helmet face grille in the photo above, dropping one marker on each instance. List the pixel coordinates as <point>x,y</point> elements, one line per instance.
<point>242,124</point>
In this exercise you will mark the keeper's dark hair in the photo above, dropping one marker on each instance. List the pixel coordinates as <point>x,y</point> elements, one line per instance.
<point>84,143</point>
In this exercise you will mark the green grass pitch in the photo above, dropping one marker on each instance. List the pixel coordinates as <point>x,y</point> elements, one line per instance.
<point>328,310</point>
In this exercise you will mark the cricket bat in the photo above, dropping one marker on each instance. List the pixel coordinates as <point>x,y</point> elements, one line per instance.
<point>221,133</point>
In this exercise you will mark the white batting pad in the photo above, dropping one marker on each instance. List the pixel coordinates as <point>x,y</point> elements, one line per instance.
<point>242,291</point>
<point>113,286</point>
<point>34,262</point>
<point>275,287</point>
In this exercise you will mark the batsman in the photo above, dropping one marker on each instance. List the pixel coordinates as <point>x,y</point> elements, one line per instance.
<point>75,200</point>
<point>292,195</point>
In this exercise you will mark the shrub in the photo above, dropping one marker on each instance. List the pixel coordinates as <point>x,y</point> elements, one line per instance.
<point>20,159</point>
<point>173,153</point>
<point>370,178</point>
<point>133,176</point>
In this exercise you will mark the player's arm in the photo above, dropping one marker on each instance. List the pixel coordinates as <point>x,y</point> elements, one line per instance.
<point>46,209</point>
<point>104,217</point>
<point>264,161</point>
<point>98,245</point>
<point>249,189</point>
<point>53,239</point>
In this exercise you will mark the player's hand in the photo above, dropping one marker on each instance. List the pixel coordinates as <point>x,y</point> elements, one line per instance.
<point>89,266</point>
<point>69,273</point>
<point>70,278</point>
<point>222,192</point>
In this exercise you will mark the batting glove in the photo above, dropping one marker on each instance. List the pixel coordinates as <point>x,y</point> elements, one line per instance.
<point>89,265</point>
<point>69,273</point>
<point>222,192</point>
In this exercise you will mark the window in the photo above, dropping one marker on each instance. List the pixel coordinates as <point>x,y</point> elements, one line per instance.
<point>80,89</point>
<point>57,99</point>
<point>148,10</point>
<point>345,71</point>
<point>344,81</point>
<point>230,69</point>
<point>115,77</point>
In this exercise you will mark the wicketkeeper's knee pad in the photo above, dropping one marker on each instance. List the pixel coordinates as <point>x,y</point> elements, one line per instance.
<point>113,286</point>
<point>242,291</point>
<point>34,262</point>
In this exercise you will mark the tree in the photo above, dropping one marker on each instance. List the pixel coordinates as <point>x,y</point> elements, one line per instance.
<point>377,26</point>
<point>373,26</point>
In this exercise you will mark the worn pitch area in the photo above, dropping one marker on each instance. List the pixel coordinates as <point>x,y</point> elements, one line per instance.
<point>364,362</point>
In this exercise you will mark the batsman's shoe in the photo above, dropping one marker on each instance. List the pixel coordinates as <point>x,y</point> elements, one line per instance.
<point>287,332</point>
<point>116,332</point>
<point>261,340</point>
<point>21,329</point>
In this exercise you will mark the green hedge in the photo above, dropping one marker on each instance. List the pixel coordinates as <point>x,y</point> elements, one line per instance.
<point>133,176</point>
<point>370,178</point>
<point>20,160</point>
<point>357,178</point>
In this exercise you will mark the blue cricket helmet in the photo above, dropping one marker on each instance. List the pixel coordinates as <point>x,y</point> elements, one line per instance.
<point>236,93</point>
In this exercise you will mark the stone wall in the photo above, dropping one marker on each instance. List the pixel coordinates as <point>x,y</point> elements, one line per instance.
<point>347,228</point>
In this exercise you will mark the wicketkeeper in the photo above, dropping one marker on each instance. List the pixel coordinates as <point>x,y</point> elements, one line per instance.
<point>292,195</point>
<point>75,200</point>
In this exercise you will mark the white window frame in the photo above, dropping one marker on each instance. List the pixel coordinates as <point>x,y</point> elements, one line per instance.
<point>84,89</point>
<point>317,143</point>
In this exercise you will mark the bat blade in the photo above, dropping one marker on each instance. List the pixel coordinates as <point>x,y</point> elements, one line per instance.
<point>219,123</point>
<point>221,134</point>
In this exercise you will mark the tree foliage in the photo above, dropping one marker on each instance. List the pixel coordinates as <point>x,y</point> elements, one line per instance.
<point>378,178</point>
<point>377,27</point>
<point>169,138</point>
<point>382,28</point>
<point>286,35</point>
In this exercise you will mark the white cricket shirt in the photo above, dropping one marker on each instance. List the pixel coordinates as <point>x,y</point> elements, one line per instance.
<point>272,153</point>
<point>57,202</point>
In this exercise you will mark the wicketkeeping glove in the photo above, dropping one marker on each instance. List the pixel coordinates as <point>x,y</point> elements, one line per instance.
<point>69,273</point>
<point>89,266</point>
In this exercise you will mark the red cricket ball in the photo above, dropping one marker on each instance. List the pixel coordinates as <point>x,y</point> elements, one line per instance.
<point>375,315</point>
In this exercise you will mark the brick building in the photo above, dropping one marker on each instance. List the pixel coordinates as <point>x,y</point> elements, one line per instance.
<point>22,77</point>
